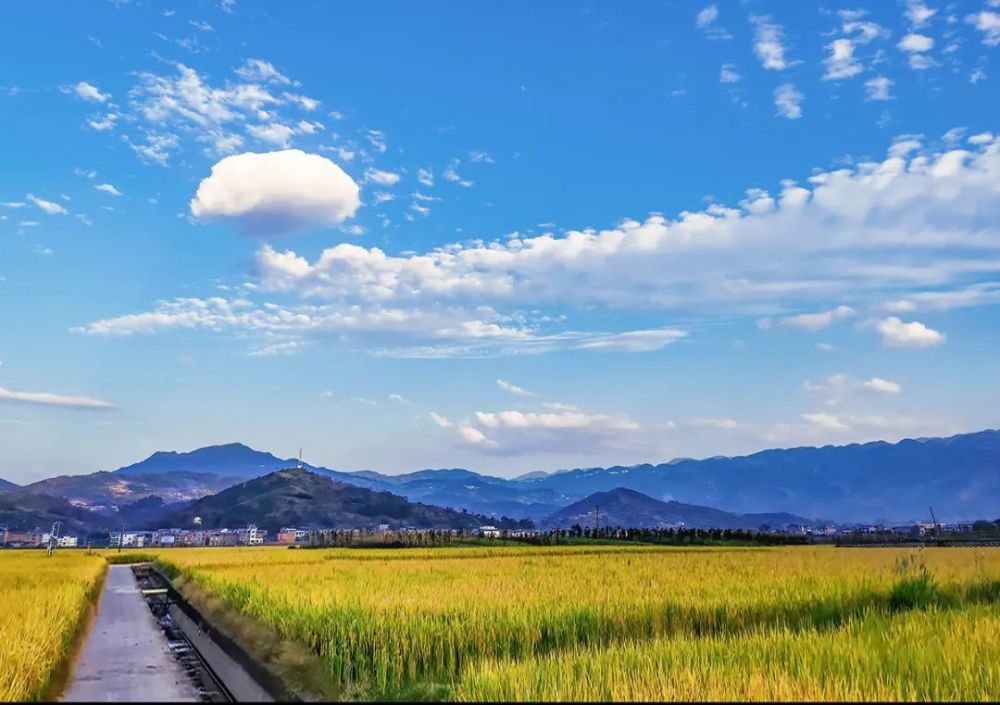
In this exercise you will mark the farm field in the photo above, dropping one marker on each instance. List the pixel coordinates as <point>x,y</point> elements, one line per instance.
<point>43,604</point>
<point>626,622</point>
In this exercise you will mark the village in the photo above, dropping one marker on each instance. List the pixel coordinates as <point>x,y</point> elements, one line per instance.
<point>382,534</point>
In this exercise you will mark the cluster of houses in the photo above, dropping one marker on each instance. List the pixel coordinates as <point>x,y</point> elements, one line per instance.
<point>245,536</point>
<point>251,535</point>
<point>32,539</point>
<point>916,529</point>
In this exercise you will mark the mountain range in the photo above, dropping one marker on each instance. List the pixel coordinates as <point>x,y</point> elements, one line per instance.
<point>299,497</point>
<point>872,482</point>
<point>628,508</point>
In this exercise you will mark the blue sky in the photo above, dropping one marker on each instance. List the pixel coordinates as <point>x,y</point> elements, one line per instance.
<point>503,236</point>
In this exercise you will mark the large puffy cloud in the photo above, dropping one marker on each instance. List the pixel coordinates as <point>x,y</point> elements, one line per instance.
<point>50,399</point>
<point>898,334</point>
<point>277,192</point>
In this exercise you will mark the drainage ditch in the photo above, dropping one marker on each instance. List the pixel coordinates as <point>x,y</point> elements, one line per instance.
<point>220,669</point>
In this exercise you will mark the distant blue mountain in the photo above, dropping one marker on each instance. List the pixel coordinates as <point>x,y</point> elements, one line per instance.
<point>233,459</point>
<point>959,476</point>
<point>6,484</point>
<point>628,508</point>
<point>890,482</point>
<point>456,487</point>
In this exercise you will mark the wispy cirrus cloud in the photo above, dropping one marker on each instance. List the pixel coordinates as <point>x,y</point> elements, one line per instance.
<point>56,400</point>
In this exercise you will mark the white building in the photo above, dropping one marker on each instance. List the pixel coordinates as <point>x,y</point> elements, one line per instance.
<point>131,538</point>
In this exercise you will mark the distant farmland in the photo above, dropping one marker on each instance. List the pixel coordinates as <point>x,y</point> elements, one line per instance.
<point>625,623</point>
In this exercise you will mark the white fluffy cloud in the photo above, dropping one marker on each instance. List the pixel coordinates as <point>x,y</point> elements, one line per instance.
<point>260,71</point>
<point>825,421</point>
<point>707,16</point>
<point>474,436</point>
<point>841,63</point>
<point>728,74</point>
<point>897,334</point>
<point>788,100</point>
<point>441,421</point>
<point>769,43</point>
<point>883,386</point>
<point>877,226</point>
<point>918,13</point>
<point>275,133</point>
<point>88,91</point>
<point>277,192</point>
<point>108,189</point>
<point>382,178</point>
<point>916,43</point>
<point>50,207</point>
<point>988,23</point>
<point>817,321</point>
<point>917,46</point>
<point>49,399</point>
<point>878,88</point>
<point>514,389</point>
<point>836,388</point>
<point>844,61</point>
<point>718,424</point>
<point>516,432</point>
<point>706,22</point>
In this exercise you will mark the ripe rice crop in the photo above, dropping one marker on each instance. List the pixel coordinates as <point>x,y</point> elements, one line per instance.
<point>456,621</point>
<point>43,602</point>
<point>938,654</point>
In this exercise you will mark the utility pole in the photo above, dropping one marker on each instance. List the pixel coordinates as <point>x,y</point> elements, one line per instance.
<point>121,538</point>
<point>53,538</point>
<point>937,531</point>
<point>597,519</point>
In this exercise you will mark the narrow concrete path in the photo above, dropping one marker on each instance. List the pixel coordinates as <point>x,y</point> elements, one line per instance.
<point>126,658</point>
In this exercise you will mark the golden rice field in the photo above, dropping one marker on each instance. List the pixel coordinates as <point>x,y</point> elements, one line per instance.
<point>627,623</point>
<point>43,602</point>
<point>935,654</point>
